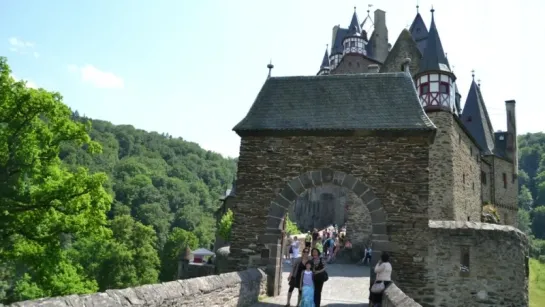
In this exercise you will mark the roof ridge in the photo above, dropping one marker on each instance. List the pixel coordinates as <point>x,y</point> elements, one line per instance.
<point>335,76</point>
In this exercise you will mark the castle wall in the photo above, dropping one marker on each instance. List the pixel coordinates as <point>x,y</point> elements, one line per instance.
<point>237,289</point>
<point>497,259</point>
<point>352,64</point>
<point>394,167</point>
<point>455,191</point>
<point>441,197</point>
<point>467,176</point>
<point>320,207</point>
<point>505,192</point>
<point>487,181</point>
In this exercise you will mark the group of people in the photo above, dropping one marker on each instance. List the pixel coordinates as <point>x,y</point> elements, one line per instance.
<point>309,273</point>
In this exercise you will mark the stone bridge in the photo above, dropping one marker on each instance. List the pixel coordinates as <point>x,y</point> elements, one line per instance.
<point>348,286</point>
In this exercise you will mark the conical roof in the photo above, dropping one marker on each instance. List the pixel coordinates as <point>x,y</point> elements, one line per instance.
<point>475,118</point>
<point>434,58</point>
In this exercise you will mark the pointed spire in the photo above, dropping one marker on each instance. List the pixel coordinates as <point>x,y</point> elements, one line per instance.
<point>419,31</point>
<point>354,27</point>
<point>417,7</point>
<point>325,60</point>
<point>475,118</point>
<point>434,58</point>
<point>473,74</point>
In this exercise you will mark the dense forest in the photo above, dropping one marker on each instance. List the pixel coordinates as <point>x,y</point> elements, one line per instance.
<point>532,190</point>
<point>87,206</point>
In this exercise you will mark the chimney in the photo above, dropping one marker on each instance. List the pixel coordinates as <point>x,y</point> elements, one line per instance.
<point>334,35</point>
<point>373,68</point>
<point>512,146</point>
<point>407,66</point>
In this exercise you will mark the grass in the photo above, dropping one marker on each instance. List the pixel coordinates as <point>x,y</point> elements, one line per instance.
<point>537,283</point>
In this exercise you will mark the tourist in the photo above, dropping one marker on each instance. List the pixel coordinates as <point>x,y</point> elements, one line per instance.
<point>294,279</point>
<point>320,275</point>
<point>336,248</point>
<point>318,245</point>
<point>329,247</point>
<point>367,256</point>
<point>295,248</point>
<point>315,236</point>
<point>308,240</point>
<point>307,286</point>
<point>288,250</point>
<point>383,269</point>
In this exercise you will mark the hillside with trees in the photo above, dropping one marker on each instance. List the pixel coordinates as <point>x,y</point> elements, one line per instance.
<point>532,190</point>
<point>87,206</point>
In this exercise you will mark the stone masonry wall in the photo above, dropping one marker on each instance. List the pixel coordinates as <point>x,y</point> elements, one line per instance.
<point>455,182</point>
<point>352,64</point>
<point>441,197</point>
<point>487,183</point>
<point>358,225</point>
<point>505,196</point>
<point>467,176</point>
<point>497,259</point>
<point>395,168</point>
<point>394,297</point>
<point>237,289</point>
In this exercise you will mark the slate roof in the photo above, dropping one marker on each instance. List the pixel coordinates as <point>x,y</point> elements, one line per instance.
<point>354,27</point>
<point>433,58</point>
<point>325,61</point>
<point>338,43</point>
<point>386,101</point>
<point>476,120</point>
<point>500,140</point>
<point>419,32</point>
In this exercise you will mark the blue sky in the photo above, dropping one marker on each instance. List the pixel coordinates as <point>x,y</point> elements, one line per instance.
<point>193,68</point>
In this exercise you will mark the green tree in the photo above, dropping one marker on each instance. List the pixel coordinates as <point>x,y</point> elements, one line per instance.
<point>525,199</point>
<point>225,225</point>
<point>524,222</point>
<point>538,222</point>
<point>291,227</point>
<point>42,203</point>
<point>177,242</point>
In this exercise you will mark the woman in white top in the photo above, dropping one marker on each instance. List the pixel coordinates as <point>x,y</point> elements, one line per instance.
<point>383,269</point>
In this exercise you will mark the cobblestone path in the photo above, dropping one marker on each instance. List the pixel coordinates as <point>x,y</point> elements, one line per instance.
<point>348,286</point>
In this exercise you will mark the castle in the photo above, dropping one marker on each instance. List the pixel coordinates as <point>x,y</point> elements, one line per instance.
<point>386,124</point>
<point>493,176</point>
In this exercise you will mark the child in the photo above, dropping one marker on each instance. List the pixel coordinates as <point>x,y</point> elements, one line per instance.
<point>307,284</point>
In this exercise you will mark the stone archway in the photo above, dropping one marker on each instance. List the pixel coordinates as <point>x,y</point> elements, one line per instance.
<point>279,206</point>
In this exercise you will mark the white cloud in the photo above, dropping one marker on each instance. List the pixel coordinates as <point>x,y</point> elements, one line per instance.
<point>101,79</point>
<point>21,46</point>
<point>29,84</point>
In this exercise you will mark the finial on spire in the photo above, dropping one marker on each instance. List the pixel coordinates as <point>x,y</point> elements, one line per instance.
<point>473,74</point>
<point>417,6</point>
<point>270,66</point>
<point>326,47</point>
<point>354,8</point>
<point>479,82</point>
<point>369,6</point>
<point>432,10</point>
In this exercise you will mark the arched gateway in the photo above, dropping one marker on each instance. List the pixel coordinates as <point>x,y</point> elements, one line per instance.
<point>365,132</point>
<point>272,240</point>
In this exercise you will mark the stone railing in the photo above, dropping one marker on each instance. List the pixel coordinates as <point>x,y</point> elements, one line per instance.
<point>238,289</point>
<point>394,297</point>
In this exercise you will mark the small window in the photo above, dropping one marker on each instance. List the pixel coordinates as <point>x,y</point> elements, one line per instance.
<point>352,44</point>
<point>464,178</point>
<point>464,261</point>
<point>444,88</point>
<point>469,218</point>
<point>473,183</point>
<point>424,88</point>
<point>504,181</point>
<point>483,178</point>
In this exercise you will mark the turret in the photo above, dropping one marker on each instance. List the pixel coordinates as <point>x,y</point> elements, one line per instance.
<point>356,40</point>
<point>324,67</point>
<point>435,80</point>
<point>419,31</point>
<point>512,146</point>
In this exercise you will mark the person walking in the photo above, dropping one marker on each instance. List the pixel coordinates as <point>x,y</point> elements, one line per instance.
<point>320,275</point>
<point>307,286</point>
<point>294,247</point>
<point>383,269</point>
<point>294,279</point>
<point>308,240</point>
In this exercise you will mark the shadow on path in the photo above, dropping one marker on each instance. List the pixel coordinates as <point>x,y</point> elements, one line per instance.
<point>348,286</point>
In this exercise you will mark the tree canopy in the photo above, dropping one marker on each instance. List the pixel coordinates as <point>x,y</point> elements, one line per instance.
<point>86,205</point>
